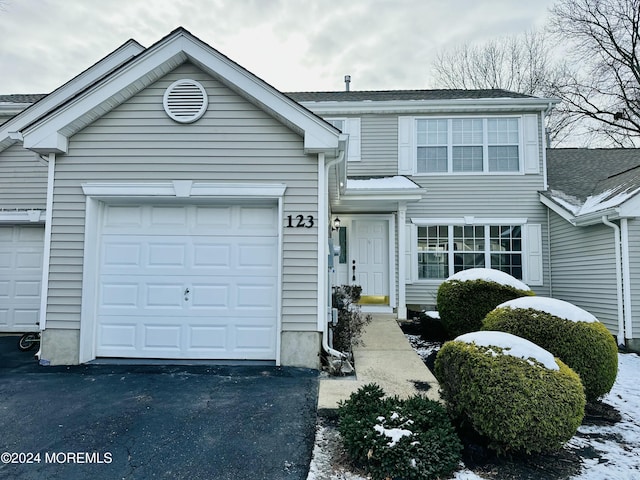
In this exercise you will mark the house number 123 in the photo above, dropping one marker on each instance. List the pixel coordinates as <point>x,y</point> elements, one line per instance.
<point>300,221</point>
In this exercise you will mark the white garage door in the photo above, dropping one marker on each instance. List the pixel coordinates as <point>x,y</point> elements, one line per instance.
<point>184,282</point>
<point>21,250</point>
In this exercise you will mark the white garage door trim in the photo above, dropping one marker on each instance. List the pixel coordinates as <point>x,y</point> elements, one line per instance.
<point>176,193</point>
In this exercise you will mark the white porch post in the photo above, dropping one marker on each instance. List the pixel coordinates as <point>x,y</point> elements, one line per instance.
<point>402,264</point>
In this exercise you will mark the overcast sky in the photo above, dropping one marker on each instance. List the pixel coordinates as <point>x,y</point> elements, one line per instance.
<point>292,44</point>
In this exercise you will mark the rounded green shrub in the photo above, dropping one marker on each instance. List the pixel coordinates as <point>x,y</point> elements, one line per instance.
<point>393,438</point>
<point>465,298</point>
<point>568,332</point>
<point>518,404</point>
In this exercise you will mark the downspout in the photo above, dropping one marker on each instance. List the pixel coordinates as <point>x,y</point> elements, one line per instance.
<point>323,251</point>
<point>626,279</point>
<point>46,257</point>
<point>545,114</point>
<point>619,286</point>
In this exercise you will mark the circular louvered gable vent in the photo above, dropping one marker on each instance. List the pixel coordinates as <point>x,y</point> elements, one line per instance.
<point>185,101</point>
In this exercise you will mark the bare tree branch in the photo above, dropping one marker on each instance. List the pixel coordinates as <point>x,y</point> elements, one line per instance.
<point>602,80</point>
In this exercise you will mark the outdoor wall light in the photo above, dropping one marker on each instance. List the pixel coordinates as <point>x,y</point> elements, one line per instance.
<point>336,224</point>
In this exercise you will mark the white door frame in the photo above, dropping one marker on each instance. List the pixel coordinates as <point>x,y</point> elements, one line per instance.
<point>347,219</point>
<point>176,192</point>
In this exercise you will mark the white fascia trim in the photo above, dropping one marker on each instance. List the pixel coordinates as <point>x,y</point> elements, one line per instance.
<point>431,106</point>
<point>22,216</point>
<point>183,189</point>
<point>470,220</point>
<point>319,136</point>
<point>65,92</point>
<point>557,209</point>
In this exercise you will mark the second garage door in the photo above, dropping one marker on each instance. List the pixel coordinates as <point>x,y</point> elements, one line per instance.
<point>188,282</point>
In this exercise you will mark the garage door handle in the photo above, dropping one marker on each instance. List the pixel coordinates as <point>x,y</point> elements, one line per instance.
<point>186,294</point>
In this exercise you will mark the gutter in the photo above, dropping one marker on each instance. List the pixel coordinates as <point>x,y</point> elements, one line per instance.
<point>322,251</point>
<point>619,279</point>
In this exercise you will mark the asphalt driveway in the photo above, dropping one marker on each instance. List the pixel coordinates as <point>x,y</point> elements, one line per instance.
<point>144,422</point>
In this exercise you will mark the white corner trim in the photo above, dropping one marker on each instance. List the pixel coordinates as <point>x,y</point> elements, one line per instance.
<point>183,189</point>
<point>23,216</point>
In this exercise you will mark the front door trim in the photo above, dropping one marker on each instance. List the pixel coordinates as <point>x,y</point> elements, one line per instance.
<point>391,256</point>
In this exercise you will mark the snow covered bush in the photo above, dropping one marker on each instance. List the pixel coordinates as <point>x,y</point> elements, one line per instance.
<point>570,333</point>
<point>510,391</point>
<point>466,297</point>
<point>393,438</point>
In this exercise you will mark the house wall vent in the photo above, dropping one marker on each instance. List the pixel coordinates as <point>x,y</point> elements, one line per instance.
<point>185,100</point>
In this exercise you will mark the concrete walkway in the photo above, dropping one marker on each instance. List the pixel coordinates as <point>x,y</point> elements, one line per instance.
<point>385,358</point>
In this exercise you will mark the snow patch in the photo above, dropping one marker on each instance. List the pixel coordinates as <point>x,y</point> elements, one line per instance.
<point>489,275</point>
<point>511,345</point>
<point>593,203</point>
<point>395,434</point>
<point>553,306</point>
<point>386,183</point>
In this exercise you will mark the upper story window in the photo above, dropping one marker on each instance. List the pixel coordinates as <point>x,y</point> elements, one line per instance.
<point>507,144</point>
<point>462,145</point>
<point>351,126</point>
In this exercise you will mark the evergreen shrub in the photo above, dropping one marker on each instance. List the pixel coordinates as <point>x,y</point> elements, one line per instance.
<point>400,439</point>
<point>586,346</point>
<point>518,405</point>
<point>463,304</point>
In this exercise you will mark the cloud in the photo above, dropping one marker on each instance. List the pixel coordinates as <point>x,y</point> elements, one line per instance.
<point>292,44</point>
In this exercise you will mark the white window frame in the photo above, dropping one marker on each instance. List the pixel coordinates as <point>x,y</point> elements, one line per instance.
<point>485,146</point>
<point>532,266</point>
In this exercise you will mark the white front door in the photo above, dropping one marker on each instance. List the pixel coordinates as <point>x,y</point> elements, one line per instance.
<point>188,282</point>
<point>21,251</point>
<point>369,259</point>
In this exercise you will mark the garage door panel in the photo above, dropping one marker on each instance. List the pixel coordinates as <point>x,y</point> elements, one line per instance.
<point>21,255</point>
<point>207,338</point>
<point>164,254</point>
<point>119,295</point>
<point>198,284</point>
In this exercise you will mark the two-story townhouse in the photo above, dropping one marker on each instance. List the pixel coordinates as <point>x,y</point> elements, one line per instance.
<point>166,203</point>
<point>437,181</point>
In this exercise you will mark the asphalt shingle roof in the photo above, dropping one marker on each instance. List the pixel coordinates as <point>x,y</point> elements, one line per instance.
<point>390,95</point>
<point>580,173</point>
<point>22,98</point>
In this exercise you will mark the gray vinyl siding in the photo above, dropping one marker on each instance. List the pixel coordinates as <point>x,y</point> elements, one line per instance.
<point>23,180</point>
<point>482,196</point>
<point>379,147</point>
<point>634,271</point>
<point>234,142</point>
<point>583,267</point>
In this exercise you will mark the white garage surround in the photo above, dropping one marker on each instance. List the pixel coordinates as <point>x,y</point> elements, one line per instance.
<point>183,277</point>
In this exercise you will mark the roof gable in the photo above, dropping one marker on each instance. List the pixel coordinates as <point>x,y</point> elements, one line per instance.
<point>36,106</point>
<point>52,132</point>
